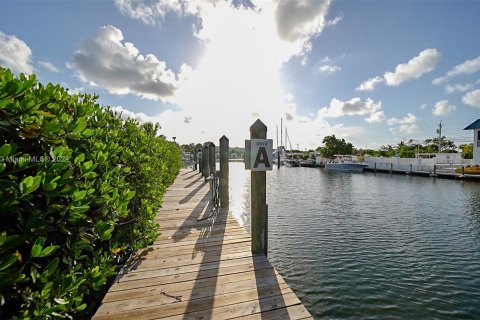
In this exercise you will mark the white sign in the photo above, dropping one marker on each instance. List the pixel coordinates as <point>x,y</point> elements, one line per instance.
<point>261,154</point>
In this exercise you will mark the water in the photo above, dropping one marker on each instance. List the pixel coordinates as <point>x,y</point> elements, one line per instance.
<point>381,246</point>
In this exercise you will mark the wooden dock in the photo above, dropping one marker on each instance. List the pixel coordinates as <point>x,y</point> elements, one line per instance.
<point>199,269</point>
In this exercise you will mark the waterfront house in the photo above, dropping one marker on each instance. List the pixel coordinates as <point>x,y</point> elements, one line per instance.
<point>475,126</point>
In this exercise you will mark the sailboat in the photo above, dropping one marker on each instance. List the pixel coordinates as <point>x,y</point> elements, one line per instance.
<point>290,160</point>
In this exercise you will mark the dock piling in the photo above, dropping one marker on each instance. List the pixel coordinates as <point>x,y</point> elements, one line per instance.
<point>211,157</point>
<point>224,151</point>
<point>259,208</point>
<point>205,162</point>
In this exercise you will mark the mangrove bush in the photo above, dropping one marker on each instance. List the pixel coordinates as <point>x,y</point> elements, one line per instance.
<point>79,189</point>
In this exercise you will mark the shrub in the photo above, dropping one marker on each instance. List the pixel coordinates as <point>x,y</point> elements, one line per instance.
<point>469,170</point>
<point>79,189</point>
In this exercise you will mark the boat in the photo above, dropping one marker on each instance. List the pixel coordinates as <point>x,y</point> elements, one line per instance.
<point>345,163</point>
<point>292,162</point>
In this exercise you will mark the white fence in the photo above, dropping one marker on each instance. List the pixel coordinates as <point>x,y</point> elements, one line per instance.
<point>414,164</point>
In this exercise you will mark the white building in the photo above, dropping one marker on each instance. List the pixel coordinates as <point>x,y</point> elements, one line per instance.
<point>475,126</point>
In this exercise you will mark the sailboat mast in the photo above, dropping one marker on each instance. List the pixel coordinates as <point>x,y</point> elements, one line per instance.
<point>277,137</point>
<point>281,132</point>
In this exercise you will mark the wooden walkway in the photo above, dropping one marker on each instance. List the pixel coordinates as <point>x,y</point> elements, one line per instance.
<point>199,270</point>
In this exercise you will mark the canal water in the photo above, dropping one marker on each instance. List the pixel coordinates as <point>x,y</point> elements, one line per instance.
<point>376,246</point>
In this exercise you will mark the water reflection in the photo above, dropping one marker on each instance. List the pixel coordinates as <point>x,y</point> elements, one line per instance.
<point>372,246</point>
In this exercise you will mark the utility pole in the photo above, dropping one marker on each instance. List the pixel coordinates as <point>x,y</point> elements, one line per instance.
<point>439,131</point>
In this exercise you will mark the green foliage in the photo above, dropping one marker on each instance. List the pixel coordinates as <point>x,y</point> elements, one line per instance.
<point>467,150</point>
<point>333,146</point>
<point>431,145</point>
<point>79,189</point>
<point>469,170</point>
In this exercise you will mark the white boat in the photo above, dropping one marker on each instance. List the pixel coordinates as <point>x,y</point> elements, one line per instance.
<point>292,162</point>
<point>345,163</point>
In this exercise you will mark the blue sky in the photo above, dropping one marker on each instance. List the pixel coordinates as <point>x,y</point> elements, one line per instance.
<point>372,72</point>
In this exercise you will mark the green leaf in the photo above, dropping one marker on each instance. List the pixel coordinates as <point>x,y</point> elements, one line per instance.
<point>5,150</point>
<point>80,209</point>
<point>8,261</point>
<point>7,243</point>
<point>80,125</point>
<point>59,151</point>
<point>79,195</point>
<point>102,157</point>
<point>128,194</point>
<point>51,267</point>
<point>88,133</point>
<point>3,165</point>
<point>37,247</point>
<point>34,274</point>
<point>81,307</point>
<point>60,301</point>
<point>52,126</point>
<point>47,289</point>
<point>48,251</point>
<point>78,159</point>
<point>90,175</point>
<point>104,230</point>
<point>67,174</point>
<point>30,184</point>
<point>86,166</point>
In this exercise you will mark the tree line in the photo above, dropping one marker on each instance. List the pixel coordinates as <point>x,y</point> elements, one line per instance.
<point>333,145</point>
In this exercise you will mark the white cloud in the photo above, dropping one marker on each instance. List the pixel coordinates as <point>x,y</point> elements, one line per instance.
<point>108,62</point>
<point>300,20</point>
<point>48,66</point>
<point>15,54</point>
<point>354,106</point>
<point>329,68</point>
<point>472,98</point>
<point>423,106</point>
<point>443,108</point>
<point>405,125</point>
<point>334,21</point>
<point>237,79</point>
<point>150,12</point>
<point>376,117</point>
<point>408,119</point>
<point>125,114</point>
<point>414,68</point>
<point>467,67</point>
<point>423,63</point>
<point>454,88</point>
<point>370,84</point>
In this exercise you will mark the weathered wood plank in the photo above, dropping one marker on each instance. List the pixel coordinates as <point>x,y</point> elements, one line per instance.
<point>198,269</point>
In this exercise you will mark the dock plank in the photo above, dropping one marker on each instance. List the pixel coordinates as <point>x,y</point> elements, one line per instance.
<point>198,269</point>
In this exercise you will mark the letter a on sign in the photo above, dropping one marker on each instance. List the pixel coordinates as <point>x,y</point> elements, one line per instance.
<point>261,154</point>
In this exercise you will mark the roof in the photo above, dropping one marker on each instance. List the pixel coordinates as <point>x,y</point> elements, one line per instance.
<point>474,125</point>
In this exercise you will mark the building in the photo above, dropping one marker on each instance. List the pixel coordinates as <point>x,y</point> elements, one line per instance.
<point>475,126</point>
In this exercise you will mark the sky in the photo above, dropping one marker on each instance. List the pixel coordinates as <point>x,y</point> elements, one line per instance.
<point>372,72</point>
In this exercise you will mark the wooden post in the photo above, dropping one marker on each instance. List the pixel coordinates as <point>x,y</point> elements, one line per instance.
<point>463,170</point>
<point>391,167</point>
<point>195,159</point>
<point>278,155</point>
<point>199,161</point>
<point>205,162</point>
<point>434,169</point>
<point>224,151</point>
<point>259,208</point>
<point>211,157</point>
<point>411,168</point>
<point>375,167</point>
